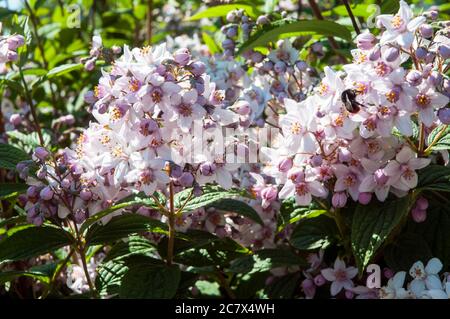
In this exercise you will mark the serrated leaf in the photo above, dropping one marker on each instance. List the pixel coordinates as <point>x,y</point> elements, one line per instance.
<point>237,206</point>
<point>434,178</point>
<point>31,242</point>
<point>121,226</point>
<point>291,213</point>
<point>283,287</point>
<point>40,272</point>
<point>372,224</point>
<point>222,10</point>
<point>265,260</point>
<point>134,199</point>
<point>63,69</point>
<point>290,28</point>
<point>441,138</point>
<point>10,156</point>
<point>314,233</point>
<point>134,245</point>
<point>144,281</point>
<point>8,190</point>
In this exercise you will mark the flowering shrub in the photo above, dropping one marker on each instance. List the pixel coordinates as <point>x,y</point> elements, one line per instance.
<point>277,155</point>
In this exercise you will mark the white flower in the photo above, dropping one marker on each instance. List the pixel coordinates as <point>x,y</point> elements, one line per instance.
<point>394,288</point>
<point>425,277</point>
<point>400,28</point>
<point>340,276</point>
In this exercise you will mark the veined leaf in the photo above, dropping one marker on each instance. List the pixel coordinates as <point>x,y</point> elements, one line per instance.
<point>10,156</point>
<point>290,28</point>
<point>222,10</point>
<point>8,190</point>
<point>63,69</point>
<point>313,233</point>
<point>441,138</point>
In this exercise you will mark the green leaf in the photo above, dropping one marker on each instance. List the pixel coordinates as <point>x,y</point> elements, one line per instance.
<point>442,136</point>
<point>222,10</point>
<point>269,5</point>
<point>210,43</point>
<point>359,10</point>
<point>134,199</point>
<point>405,251</point>
<point>265,260</point>
<point>210,195</point>
<point>145,281</point>
<point>41,272</point>
<point>208,289</point>
<point>314,233</point>
<point>121,226</point>
<point>63,69</point>
<point>239,207</point>
<point>372,224</point>
<point>291,28</point>
<point>134,245</point>
<point>8,190</point>
<point>10,156</point>
<point>291,213</point>
<point>32,242</point>
<point>434,178</point>
<point>29,142</point>
<point>283,287</point>
<point>109,277</point>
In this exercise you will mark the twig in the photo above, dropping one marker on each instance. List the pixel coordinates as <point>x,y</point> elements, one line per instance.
<point>352,17</point>
<point>149,21</point>
<point>171,225</point>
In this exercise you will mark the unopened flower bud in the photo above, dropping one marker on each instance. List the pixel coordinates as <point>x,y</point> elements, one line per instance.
<point>207,168</point>
<point>46,193</point>
<point>444,51</point>
<point>228,44</point>
<point>85,194</point>
<point>316,160</point>
<point>42,173</point>
<point>388,273</point>
<point>79,216</point>
<point>285,164</point>
<point>231,32</point>
<point>422,203</point>
<point>426,31</point>
<point>41,153</point>
<point>349,294</point>
<point>344,155</point>
<point>116,49</point>
<point>15,42</point>
<point>198,68</point>
<point>365,41</point>
<point>301,65</point>
<point>418,215</point>
<point>90,64</point>
<point>182,56</point>
<point>375,54</point>
<point>231,16</point>
<point>32,191</point>
<point>186,179</point>
<point>15,119</point>
<point>364,198</point>
<point>257,57</point>
<point>444,115</point>
<point>263,19</point>
<point>279,67</point>
<point>12,55</point>
<point>242,107</point>
<point>319,280</point>
<point>421,53</point>
<point>391,54</point>
<point>339,200</point>
<point>414,78</point>
<point>89,97</point>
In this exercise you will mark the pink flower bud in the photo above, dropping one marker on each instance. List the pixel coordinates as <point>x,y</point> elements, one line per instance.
<point>414,78</point>
<point>421,53</point>
<point>85,194</point>
<point>116,49</point>
<point>12,55</point>
<point>349,294</point>
<point>15,41</point>
<point>364,198</point>
<point>242,107</point>
<point>182,56</point>
<point>365,41</point>
<point>391,54</point>
<point>339,199</point>
<point>426,31</point>
<point>444,51</point>
<point>285,164</point>
<point>32,191</point>
<point>38,220</point>
<point>46,193</point>
<point>308,288</point>
<point>319,280</point>
<point>263,19</point>
<point>89,97</point>
<point>388,273</point>
<point>444,115</point>
<point>316,160</point>
<point>41,153</point>
<point>269,194</point>
<point>418,215</point>
<point>15,119</point>
<point>79,216</point>
<point>375,54</point>
<point>90,64</point>
<point>197,68</point>
<point>279,67</point>
<point>422,203</point>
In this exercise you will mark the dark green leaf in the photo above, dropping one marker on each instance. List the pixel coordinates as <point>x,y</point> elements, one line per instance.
<point>314,233</point>
<point>290,28</point>
<point>434,178</point>
<point>441,138</point>
<point>63,69</point>
<point>222,10</point>
<point>122,226</point>
<point>372,224</point>
<point>32,242</point>
<point>153,282</point>
<point>283,287</point>
<point>8,190</point>
<point>239,207</point>
<point>40,272</point>
<point>10,156</point>
<point>134,245</point>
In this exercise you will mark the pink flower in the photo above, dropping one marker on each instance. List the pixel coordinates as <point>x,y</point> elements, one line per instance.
<point>340,276</point>
<point>402,170</point>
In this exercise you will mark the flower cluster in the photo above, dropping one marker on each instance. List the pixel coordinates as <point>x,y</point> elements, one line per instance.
<point>8,48</point>
<point>340,139</point>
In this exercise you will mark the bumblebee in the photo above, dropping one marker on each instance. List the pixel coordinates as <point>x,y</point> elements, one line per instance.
<point>348,97</point>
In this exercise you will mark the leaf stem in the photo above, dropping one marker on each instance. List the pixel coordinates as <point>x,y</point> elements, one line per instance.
<point>171,242</point>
